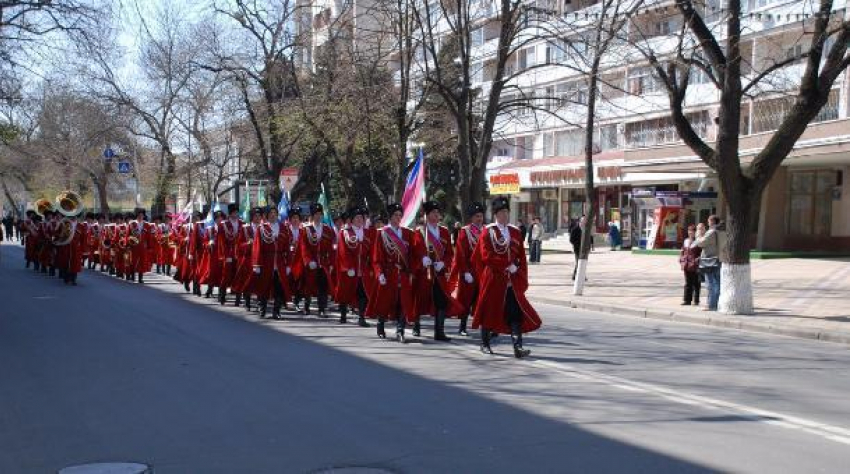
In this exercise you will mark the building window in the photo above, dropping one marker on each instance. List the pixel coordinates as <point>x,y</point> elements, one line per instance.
<point>548,144</point>
<point>569,142</point>
<point>641,81</point>
<point>769,114</point>
<point>661,131</point>
<point>527,58</point>
<point>810,202</point>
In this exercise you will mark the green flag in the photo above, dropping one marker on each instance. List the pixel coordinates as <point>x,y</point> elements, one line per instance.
<point>261,196</point>
<point>323,200</point>
<point>246,204</point>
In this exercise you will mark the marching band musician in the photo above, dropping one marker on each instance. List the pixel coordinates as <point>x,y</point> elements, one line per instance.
<point>500,263</point>
<point>432,246</point>
<point>107,245</point>
<point>393,263</point>
<point>93,241</point>
<point>226,237</point>
<point>32,238</point>
<point>184,263</point>
<point>48,232</point>
<point>354,266</point>
<point>70,244</point>
<point>88,245</point>
<point>166,245</point>
<point>270,260</point>
<point>243,282</point>
<point>137,245</point>
<point>154,248</point>
<point>316,252</point>
<point>463,281</point>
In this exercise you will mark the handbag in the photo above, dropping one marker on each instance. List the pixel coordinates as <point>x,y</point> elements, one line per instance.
<point>710,263</point>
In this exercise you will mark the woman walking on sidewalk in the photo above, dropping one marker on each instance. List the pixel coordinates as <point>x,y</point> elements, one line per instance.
<point>689,260</point>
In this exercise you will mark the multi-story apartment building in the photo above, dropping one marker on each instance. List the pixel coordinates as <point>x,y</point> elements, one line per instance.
<point>641,166</point>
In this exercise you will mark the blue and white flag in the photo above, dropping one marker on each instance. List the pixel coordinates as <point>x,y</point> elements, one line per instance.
<point>210,220</point>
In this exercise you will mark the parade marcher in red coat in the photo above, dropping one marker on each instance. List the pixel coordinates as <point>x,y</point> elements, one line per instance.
<point>270,259</point>
<point>432,246</point>
<point>166,246</point>
<point>225,247</point>
<point>90,251</point>
<point>154,248</point>
<point>48,231</point>
<point>463,281</point>
<point>70,245</point>
<point>297,269</point>
<point>108,244</point>
<point>138,239</point>
<point>93,242</point>
<point>393,263</point>
<point>32,239</point>
<point>123,257</point>
<point>243,282</point>
<point>185,259</point>
<point>198,242</point>
<point>501,265</point>
<point>317,259</point>
<point>354,266</point>
<point>211,265</point>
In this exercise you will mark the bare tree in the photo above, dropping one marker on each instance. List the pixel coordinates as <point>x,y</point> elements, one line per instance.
<point>712,42</point>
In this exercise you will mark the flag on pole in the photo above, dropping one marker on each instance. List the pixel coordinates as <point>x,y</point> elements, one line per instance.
<point>183,217</point>
<point>261,196</point>
<point>414,191</point>
<point>210,220</point>
<point>246,205</point>
<point>283,205</point>
<point>323,200</point>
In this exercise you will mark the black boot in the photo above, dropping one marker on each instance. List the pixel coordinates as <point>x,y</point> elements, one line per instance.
<point>141,278</point>
<point>462,329</point>
<point>74,279</point>
<point>222,296</point>
<point>361,321</point>
<point>276,309</point>
<point>343,314</point>
<point>381,333</point>
<point>186,286</point>
<point>158,269</point>
<point>519,352</point>
<point>264,304</point>
<point>417,329</point>
<point>440,328</point>
<point>238,300</point>
<point>168,270</point>
<point>209,292</point>
<point>248,302</point>
<point>196,288</point>
<point>306,311</point>
<point>485,341</point>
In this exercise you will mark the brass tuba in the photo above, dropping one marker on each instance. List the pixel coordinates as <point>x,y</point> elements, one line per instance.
<point>42,206</point>
<point>69,204</point>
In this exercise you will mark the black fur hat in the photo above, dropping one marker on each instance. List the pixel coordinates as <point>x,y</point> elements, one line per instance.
<point>500,203</point>
<point>316,208</point>
<point>294,210</point>
<point>232,207</point>
<point>431,206</point>
<point>393,208</point>
<point>475,208</point>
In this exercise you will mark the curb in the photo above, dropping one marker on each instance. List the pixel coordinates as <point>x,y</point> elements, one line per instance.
<point>708,319</point>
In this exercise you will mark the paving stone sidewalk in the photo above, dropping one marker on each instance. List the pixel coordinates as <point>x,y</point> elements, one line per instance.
<point>807,298</point>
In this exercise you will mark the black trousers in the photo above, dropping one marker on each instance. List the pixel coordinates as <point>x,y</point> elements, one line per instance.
<point>536,250</point>
<point>692,287</point>
<point>362,301</point>
<point>400,320</point>
<point>322,283</point>
<point>277,286</point>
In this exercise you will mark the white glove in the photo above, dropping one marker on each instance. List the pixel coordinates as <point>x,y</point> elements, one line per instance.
<point>426,261</point>
<point>468,277</point>
<point>228,260</point>
<point>288,271</point>
<point>313,266</point>
<point>439,266</point>
<point>191,257</point>
<point>257,270</point>
<point>382,279</point>
<point>351,273</point>
<point>512,268</point>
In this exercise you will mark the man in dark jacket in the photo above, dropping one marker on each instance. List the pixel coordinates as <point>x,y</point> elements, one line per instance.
<point>575,240</point>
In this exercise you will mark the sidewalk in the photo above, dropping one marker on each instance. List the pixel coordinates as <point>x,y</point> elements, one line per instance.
<point>808,298</point>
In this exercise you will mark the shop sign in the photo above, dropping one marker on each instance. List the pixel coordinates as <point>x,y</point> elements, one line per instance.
<point>556,176</point>
<point>504,183</point>
<point>609,172</point>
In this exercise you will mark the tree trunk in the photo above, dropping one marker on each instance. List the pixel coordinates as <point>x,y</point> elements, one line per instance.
<point>102,197</point>
<point>9,197</point>
<point>736,285</point>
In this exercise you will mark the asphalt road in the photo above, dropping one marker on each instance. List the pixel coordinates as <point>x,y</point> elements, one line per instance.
<point>113,371</point>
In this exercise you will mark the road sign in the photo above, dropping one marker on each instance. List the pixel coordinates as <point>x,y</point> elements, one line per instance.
<point>125,167</point>
<point>109,153</point>
<point>288,178</point>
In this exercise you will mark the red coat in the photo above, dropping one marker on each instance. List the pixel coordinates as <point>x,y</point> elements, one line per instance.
<point>122,253</point>
<point>356,255</point>
<point>107,244</point>
<point>394,260</point>
<point>138,261</point>
<point>225,247</point>
<point>210,264</point>
<point>165,245</point>
<point>243,282</point>
<point>491,261</point>
<point>313,248</point>
<point>32,240</point>
<point>464,293</point>
<point>70,248</point>
<point>46,250</point>
<point>270,252</point>
<point>198,243</point>
<point>185,266</point>
<point>93,242</point>
<point>438,249</point>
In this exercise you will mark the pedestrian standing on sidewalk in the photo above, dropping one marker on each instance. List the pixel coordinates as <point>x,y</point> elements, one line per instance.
<point>709,262</point>
<point>535,240</point>
<point>575,240</point>
<point>689,260</point>
<point>522,229</point>
<point>614,237</point>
